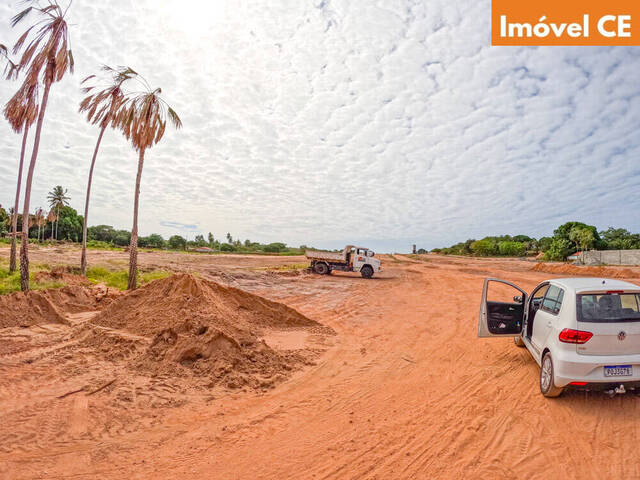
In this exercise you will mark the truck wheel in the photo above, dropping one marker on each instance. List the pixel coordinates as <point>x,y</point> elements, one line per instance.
<point>547,386</point>
<point>321,268</point>
<point>366,271</point>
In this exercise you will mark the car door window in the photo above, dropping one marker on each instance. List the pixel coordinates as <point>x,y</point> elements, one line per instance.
<point>552,301</point>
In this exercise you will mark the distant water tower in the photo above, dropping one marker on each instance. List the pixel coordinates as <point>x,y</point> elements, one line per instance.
<point>414,250</point>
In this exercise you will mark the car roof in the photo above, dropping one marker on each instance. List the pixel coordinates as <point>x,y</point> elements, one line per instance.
<point>590,284</point>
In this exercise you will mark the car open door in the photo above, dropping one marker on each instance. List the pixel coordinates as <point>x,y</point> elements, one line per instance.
<point>502,317</point>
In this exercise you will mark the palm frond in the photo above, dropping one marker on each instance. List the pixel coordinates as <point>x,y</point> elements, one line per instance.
<point>20,16</point>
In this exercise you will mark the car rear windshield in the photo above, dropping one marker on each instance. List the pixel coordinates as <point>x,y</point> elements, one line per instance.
<point>609,307</point>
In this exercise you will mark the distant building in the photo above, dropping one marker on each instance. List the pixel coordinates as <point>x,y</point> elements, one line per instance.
<point>575,257</point>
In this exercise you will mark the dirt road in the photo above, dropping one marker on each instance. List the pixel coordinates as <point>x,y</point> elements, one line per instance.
<point>405,390</point>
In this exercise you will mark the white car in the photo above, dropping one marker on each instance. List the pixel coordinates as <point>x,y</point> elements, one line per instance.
<point>583,332</point>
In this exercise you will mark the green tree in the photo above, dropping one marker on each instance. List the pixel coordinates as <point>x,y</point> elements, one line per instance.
<point>484,248</point>
<point>559,249</point>
<point>69,224</point>
<point>211,240</point>
<point>511,249</point>
<point>583,238</point>
<point>564,232</point>
<point>275,247</point>
<point>199,241</point>
<point>544,243</point>
<point>57,199</point>
<point>152,241</point>
<point>620,239</point>
<point>4,222</point>
<point>176,242</point>
<point>227,247</point>
<point>229,238</point>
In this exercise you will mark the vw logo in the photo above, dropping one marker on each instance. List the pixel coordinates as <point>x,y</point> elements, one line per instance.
<point>622,335</point>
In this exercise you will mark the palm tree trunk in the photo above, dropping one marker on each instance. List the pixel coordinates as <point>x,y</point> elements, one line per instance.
<point>133,245</point>
<point>13,266</point>
<point>57,220</point>
<point>24,247</point>
<point>83,258</point>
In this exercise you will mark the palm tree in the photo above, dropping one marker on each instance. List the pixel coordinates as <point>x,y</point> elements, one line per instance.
<point>39,218</point>
<point>51,218</point>
<point>46,53</point>
<point>21,116</point>
<point>57,198</point>
<point>143,120</point>
<point>101,107</point>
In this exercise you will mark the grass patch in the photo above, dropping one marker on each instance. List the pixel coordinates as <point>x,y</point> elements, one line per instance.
<point>10,282</point>
<point>120,279</point>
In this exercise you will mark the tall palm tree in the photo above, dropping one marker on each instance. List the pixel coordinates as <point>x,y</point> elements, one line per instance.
<point>21,114</point>
<point>45,53</point>
<point>57,198</point>
<point>101,107</point>
<point>143,120</point>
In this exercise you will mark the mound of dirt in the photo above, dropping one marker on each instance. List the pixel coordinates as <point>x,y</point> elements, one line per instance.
<point>586,271</point>
<point>60,274</point>
<point>201,329</point>
<point>185,303</point>
<point>27,309</point>
<point>50,306</point>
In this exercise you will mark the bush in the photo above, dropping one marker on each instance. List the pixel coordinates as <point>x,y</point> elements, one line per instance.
<point>227,247</point>
<point>484,248</point>
<point>511,249</point>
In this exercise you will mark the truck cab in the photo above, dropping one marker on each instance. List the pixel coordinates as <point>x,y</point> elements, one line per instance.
<point>351,259</point>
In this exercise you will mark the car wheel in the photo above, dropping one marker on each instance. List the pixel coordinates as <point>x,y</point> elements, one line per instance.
<point>547,385</point>
<point>321,268</point>
<point>518,341</point>
<point>366,271</point>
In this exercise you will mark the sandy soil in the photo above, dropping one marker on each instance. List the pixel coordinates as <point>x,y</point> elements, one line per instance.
<point>404,390</point>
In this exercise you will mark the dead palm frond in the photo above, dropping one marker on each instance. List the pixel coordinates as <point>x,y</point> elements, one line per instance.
<point>102,104</point>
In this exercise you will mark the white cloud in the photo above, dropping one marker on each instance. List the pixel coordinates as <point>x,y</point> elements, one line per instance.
<point>320,122</point>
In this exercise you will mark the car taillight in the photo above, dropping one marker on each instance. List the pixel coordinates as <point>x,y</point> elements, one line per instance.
<point>574,336</point>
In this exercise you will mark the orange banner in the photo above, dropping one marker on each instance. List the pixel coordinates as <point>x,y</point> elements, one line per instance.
<point>565,22</point>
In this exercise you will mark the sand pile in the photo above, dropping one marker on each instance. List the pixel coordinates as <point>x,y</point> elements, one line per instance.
<point>203,329</point>
<point>50,306</point>
<point>62,275</point>
<point>26,309</point>
<point>587,271</point>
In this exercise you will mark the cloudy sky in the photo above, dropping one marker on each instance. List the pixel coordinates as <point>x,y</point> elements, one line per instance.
<point>321,122</point>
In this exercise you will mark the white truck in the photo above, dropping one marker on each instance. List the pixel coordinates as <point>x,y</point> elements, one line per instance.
<point>351,259</point>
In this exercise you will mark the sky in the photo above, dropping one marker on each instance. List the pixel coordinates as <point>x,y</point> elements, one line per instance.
<point>384,123</point>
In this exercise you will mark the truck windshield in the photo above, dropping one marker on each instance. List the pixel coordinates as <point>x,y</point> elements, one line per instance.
<point>608,307</point>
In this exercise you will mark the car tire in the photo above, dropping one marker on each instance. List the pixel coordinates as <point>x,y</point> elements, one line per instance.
<point>321,268</point>
<point>547,385</point>
<point>366,271</point>
<point>518,341</point>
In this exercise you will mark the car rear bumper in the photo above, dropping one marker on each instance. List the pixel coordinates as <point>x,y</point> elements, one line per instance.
<point>571,367</point>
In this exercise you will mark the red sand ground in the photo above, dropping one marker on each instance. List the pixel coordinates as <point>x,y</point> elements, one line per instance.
<point>404,390</point>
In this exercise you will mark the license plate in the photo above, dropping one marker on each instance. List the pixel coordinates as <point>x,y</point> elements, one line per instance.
<point>618,371</point>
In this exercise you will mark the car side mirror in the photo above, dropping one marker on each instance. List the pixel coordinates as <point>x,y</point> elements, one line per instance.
<point>518,299</point>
